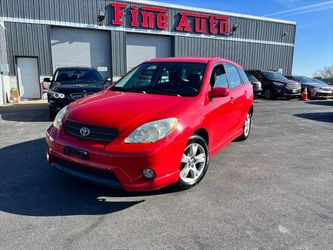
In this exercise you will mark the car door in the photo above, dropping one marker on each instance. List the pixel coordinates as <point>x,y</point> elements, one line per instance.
<point>219,110</point>
<point>238,94</point>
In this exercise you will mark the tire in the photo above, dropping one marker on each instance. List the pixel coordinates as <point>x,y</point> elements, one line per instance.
<point>246,127</point>
<point>268,94</point>
<point>193,168</point>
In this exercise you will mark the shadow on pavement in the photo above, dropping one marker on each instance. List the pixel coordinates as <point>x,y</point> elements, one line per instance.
<point>321,103</point>
<point>29,187</point>
<point>25,113</point>
<point>321,117</point>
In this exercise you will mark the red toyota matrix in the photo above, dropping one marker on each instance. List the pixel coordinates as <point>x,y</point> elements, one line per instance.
<point>158,125</point>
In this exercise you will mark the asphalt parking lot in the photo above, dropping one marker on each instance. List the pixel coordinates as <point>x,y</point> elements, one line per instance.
<point>274,191</point>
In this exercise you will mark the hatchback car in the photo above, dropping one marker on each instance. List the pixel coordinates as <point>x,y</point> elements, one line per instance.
<point>315,88</point>
<point>158,125</point>
<point>276,85</point>
<point>72,83</point>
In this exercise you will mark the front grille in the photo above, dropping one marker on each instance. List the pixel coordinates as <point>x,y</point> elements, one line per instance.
<point>76,96</point>
<point>96,133</point>
<point>326,89</point>
<point>292,86</point>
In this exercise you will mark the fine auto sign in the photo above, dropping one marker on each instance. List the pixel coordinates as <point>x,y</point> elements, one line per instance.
<point>147,17</point>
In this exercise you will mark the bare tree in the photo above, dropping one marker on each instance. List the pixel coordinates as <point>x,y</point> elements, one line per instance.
<point>325,74</point>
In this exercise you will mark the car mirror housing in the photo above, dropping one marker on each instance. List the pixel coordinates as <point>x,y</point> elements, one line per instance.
<point>218,92</point>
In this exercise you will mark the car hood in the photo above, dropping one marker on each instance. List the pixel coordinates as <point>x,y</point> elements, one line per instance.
<point>77,87</point>
<point>121,110</point>
<point>315,85</point>
<point>285,82</point>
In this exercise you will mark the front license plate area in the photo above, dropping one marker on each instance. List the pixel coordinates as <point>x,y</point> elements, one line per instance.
<point>76,152</point>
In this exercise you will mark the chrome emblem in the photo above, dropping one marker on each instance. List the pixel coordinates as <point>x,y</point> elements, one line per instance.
<point>84,131</point>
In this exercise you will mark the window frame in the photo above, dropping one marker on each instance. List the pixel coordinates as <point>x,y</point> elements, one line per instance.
<point>214,66</point>
<point>240,80</point>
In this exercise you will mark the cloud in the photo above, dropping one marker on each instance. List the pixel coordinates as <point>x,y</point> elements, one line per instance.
<point>305,9</point>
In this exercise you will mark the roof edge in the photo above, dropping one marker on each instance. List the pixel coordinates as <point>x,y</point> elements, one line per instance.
<point>218,12</point>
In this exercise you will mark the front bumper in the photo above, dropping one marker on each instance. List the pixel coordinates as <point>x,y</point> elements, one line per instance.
<point>289,93</point>
<point>118,166</point>
<point>324,95</point>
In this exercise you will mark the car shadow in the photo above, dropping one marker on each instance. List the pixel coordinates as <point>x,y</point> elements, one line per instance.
<point>321,117</point>
<point>29,187</point>
<point>321,103</point>
<point>25,113</point>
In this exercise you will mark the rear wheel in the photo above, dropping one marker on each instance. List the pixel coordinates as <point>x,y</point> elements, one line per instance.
<point>246,127</point>
<point>194,162</point>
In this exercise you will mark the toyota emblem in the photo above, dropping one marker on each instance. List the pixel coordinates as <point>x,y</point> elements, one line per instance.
<point>84,131</point>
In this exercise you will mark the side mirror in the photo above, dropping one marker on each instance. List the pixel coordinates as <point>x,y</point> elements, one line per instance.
<point>46,84</point>
<point>47,79</point>
<point>218,92</point>
<point>109,79</point>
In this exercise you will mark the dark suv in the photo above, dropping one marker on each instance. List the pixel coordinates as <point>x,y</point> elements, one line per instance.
<point>276,85</point>
<point>71,84</point>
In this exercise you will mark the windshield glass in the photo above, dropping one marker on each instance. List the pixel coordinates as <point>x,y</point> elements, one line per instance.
<point>252,78</point>
<point>80,76</point>
<point>303,79</point>
<point>274,76</point>
<point>165,78</point>
<point>319,81</point>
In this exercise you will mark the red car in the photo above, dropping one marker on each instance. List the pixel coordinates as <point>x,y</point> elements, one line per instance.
<point>158,125</point>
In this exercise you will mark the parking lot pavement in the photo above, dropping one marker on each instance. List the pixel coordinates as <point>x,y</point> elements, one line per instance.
<point>273,191</point>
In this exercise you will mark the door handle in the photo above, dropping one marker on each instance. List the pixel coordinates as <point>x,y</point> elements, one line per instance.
<point>231,100</point>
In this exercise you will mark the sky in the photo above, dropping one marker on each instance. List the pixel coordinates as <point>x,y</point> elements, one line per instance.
<point>314,18</point>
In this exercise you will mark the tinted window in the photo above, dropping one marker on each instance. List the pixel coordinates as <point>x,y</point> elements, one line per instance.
<point>233,76</point>
<point>166,78</point>
<point>71,75</point>
<point>243,75</point>
<point>274,76</point>
<point>252,78</point>
<point>219,77</point>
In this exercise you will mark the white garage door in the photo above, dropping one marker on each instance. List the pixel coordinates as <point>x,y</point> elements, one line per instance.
<point>27,72</point>
<point>142,47</point>
<point>81,48</point>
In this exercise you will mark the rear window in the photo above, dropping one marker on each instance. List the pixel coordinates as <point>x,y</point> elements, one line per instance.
<point>233,76</point>
<point>243,76</point>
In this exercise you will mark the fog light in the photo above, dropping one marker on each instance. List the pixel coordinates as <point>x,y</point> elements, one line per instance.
<point>148,173</point>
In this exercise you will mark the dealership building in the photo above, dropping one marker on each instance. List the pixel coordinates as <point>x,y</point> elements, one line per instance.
<point>38,36</point>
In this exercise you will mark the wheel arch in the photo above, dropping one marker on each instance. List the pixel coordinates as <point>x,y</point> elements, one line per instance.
<point>203,133</point>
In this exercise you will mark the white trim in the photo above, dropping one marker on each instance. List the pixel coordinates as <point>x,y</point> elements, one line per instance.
<point>217,12</point>
<point>157,32</point>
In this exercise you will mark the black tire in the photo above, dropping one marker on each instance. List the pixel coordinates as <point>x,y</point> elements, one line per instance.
<point>194,140</point>
<point>268,94</point>
<point>246,133</point>
<point>52,114</point>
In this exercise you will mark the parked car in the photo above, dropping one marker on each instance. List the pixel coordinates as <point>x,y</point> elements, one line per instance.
<point>276,85</point>
<point>159,125</point>
<point>70,84</point>
<point>316,89</point>
<point>256,84</point>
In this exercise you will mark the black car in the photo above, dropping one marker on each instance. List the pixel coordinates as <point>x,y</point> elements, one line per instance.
<point>276,85</point>
<point>256,84</point>
<point>71,84</point>
<point>315,88</point>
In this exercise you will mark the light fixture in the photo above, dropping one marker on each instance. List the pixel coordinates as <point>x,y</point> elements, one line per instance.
<point>101,17</point>
<point>233,29</point>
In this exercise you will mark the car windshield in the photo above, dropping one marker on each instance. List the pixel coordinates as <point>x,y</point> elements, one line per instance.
<point>80,76</point>
<point>165,78</point>
<point>274,76</point>
<point>252,78</point>
<point>303,79</point>
<point>319,81</point>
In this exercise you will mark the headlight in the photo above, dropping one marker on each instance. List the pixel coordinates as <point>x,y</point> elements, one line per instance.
<point>317,89</point>
<point>152,131</point>
<point>60,116</point>
<point>57,95</point>
<point>279,84</point>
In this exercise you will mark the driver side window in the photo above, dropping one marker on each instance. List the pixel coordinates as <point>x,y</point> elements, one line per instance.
<point>219,77</point>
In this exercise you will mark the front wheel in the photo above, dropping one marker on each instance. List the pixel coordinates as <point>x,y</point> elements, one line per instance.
<point>194,162</point>
<point>246,127</point>
<point>268,94</point>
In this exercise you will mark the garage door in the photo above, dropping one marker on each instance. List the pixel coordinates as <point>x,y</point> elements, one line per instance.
<point>82,48</point>
<point>142,47</point>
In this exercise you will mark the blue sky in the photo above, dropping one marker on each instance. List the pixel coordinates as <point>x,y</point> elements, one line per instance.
<point>314,38</point>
